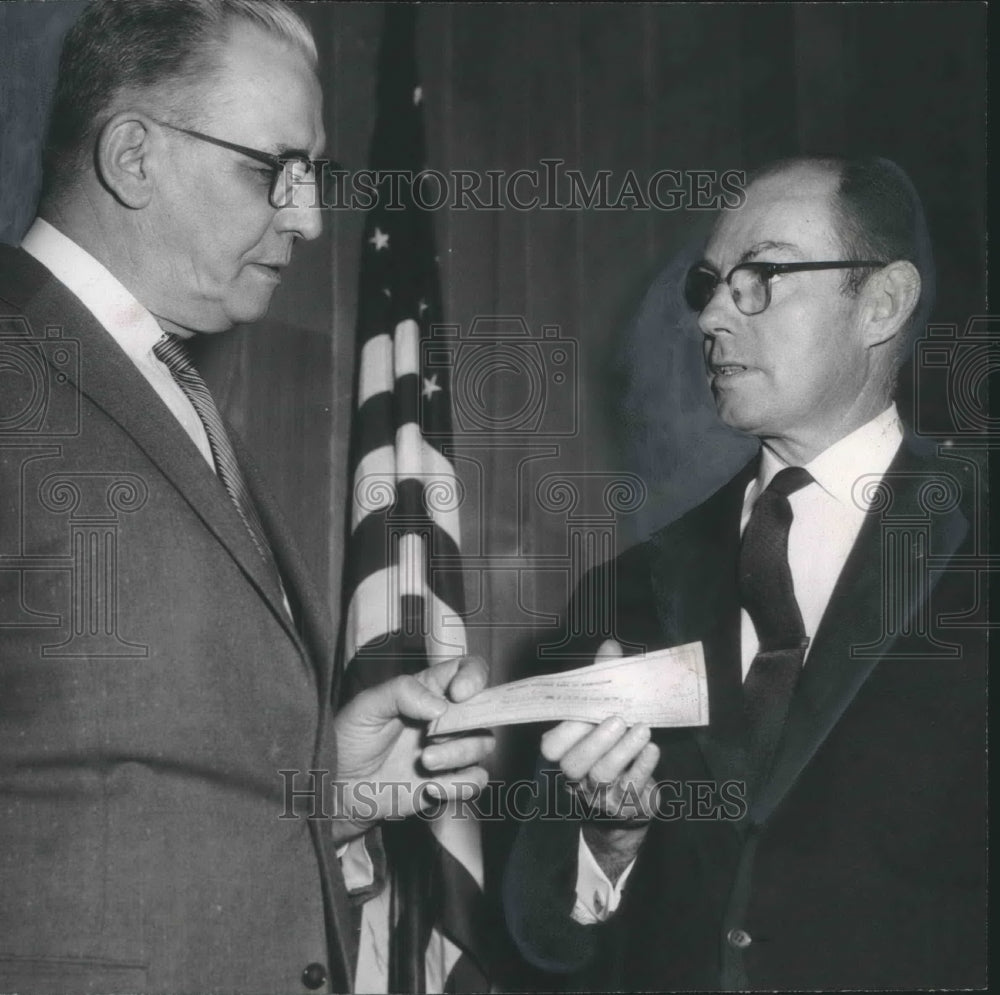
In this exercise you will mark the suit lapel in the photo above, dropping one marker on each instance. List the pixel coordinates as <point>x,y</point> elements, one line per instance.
<point>694,581</point>
<point>853,635</point>
<point>110,380</point>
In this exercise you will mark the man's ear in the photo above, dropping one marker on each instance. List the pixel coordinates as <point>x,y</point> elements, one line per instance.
<point>889,298</point>
<point>122,159</point>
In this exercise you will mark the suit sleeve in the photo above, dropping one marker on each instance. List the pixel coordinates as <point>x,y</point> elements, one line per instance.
<point>539,887</point>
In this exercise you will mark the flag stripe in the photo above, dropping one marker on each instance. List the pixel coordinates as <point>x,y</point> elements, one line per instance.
<point>380,531</point>
<point>375,419</point>
<point>407,349</point>
<point>381,477</point>
<point>376,368</point>
<point>461,846</point>
<point>373,423</point>
<point>372,622</point>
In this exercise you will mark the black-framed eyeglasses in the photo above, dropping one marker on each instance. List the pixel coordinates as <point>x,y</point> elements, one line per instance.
<point>287,170</point>
<point>750,283</point>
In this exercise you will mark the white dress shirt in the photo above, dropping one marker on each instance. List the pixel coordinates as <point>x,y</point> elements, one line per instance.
<point>121,316</point>
<point>827,517</point>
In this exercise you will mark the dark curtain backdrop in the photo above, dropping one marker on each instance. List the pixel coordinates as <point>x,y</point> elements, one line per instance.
<point>601,86</point>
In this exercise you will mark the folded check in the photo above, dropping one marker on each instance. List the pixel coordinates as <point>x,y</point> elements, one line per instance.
<point>663,688</point>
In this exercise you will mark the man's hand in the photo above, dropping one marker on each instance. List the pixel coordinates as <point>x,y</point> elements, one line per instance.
<point>611,769</point>
<point>384,765</point>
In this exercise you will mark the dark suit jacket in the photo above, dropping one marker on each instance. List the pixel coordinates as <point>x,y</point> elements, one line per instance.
<point>151,689</point>
<point>861,860</point>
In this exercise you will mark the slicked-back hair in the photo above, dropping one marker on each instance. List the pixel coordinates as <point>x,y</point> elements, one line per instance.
<point>878,216</point>
<point>121,46</point>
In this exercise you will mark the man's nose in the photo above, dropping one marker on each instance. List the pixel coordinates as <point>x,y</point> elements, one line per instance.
<point>302,216</point>
<point>720,313</point>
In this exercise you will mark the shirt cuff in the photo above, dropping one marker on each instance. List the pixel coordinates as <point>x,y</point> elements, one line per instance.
<point>596,896</point>
<point>356,864</point>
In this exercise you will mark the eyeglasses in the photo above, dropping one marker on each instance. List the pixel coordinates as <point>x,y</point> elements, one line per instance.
<point>287,170</point>
<point>750,283</point>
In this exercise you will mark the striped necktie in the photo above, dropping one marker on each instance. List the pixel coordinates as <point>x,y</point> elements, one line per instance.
<point>173,353</point>
<point>766,592</point>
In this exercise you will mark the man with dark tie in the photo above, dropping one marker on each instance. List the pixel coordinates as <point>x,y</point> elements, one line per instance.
<point>163,655</point>
<point>826,829</point>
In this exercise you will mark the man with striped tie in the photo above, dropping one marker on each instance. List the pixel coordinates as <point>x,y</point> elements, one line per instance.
<point>826,829</point>
<point>163,656</point>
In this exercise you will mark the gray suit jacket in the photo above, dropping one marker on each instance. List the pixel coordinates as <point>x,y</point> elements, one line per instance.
<point>151,689</point>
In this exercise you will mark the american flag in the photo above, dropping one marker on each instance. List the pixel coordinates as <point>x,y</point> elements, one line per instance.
<point>403,592</point>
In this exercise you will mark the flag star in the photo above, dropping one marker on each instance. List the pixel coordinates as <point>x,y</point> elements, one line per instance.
<point>380,240</point>
<point>431,386</point>
<point>418,95</point>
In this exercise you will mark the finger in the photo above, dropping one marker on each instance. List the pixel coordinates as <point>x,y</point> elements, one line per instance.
<point>608,649</point>
<point>614,763</point>
<point>635,787</point>
<point>405,697</point>
<point>577,762</point>
<point>562,737</point>
<point>438,675</point>
<point>458,752</point>
<point>473,675</point>
<point>642,769</point>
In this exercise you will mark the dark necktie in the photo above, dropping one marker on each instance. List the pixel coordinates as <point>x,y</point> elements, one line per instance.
<point>173,353</point>
<point>766,592</point>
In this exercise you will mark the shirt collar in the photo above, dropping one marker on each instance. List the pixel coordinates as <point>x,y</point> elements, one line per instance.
<point>867,451</point>
<point>125,319</point>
